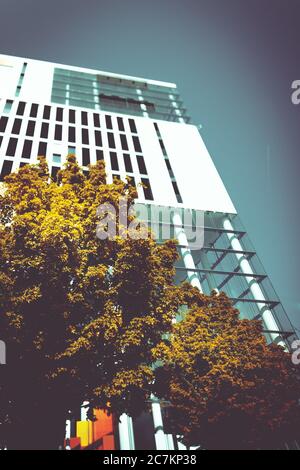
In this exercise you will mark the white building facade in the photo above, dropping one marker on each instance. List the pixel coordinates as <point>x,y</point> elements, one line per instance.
<point>141,129</point>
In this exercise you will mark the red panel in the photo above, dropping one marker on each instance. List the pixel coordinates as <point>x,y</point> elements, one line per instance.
<point>103,425</point>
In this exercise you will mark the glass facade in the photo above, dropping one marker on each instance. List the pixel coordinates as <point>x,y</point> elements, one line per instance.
<point>108,93</point>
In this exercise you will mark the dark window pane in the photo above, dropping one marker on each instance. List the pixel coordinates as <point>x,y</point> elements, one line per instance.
<point>1,138</point>
<point>115,176</point>
<point>6,169</point>
<point>17,126</point>
<point>96,120</point>
<point>85,136</point>
<point>54,171</point>
<point>99,155</point>
<point>141,164</point>
<point>176,190</point>
<point>114,161</point>
<point>58,132</point>
<point>127,163</point>
<point>42,149</point>
<point>147,189</point>
<point>131,181</point>
<point>111,140</point>
<point>98,138</point>
<point>3,123</point>
<point>136,143</point>
<point>26,152</point>
<point>71,136</point>
<point>59,114</point>
<point>120,124</point>
<point>46,114</point>
<point>44,130</point>
<point>72,116</point>
<point>124,143</point>
<point>23,164</point>
<point>85,157</point>
<point>11,148</point>
<point>84,119</point>
<point>108,122</point>
<point>34,110</point>
<point>162,146</point>
<point>21,108</point>
<point>30,128</point>
<point>132,126</point>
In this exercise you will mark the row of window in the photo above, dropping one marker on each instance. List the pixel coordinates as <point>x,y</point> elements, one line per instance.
<point>71,116</point>
<point>71,134</point>
<point>148,195</point>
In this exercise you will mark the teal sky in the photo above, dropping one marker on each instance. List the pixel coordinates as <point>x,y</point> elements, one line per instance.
<point>233,61</point>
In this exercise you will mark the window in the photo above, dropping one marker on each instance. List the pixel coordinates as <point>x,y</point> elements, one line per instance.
<point>111,140</point>
<point>6,169</point>
<point>11,148</point>
<point>33,110</point>
<point>58,132</point>
<point>72,116</point>
<point>18,90</point>
<point>3,123</point>
<point>141,164</point>
<point>44,130</point>
<point>30,128</point>
<point>1,138</point>
<point>131,181</point>
<point>96,120</point>
<point>8,105</point>
<point>17,126</point>
<point>176,191</point>
<point>85,157</point>
<point>147,189</point>
<point>132,126</point>
<point>84,119</point>
<point>46,113</point>
<point>71,150</point>
<point>85,136</point>
<point>26,152</point>
<point>124,143</point>
<point>71,135</point>
<point>21,108</point>
<point>59,114</point>
<point>114,161</point>
<point>54,171</point>
<point>162,146</point>
<point>56,158</point>
<point>98,138</point>
<point>136,143</point>
<point>108,122</point>
<point>23,164</point>
<point>99,155</point>
<point>116,176</point>
<point>42,149</point>
<point>120,124</point>
<point>127,163</point>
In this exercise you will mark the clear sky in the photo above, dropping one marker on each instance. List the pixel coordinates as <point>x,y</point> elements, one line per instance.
<point>233,61</point>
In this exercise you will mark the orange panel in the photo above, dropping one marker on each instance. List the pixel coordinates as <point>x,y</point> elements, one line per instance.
<point>108,442</point>
<point>103,425</point>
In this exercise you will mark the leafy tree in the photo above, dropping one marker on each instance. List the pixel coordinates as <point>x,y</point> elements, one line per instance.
<point>226,387</point>
<point>80,316</point>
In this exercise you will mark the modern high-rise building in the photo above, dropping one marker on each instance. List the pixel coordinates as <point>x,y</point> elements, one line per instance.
<point>141,129</point>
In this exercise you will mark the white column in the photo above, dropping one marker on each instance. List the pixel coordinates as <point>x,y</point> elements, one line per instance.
<point>185,251</point>
<point>266,314</point>
<point>163,441</point>
<point>126,433</point>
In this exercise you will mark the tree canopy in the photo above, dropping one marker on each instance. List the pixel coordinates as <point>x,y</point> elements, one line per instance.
<point>79,315</point>
<point>226,387</point>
